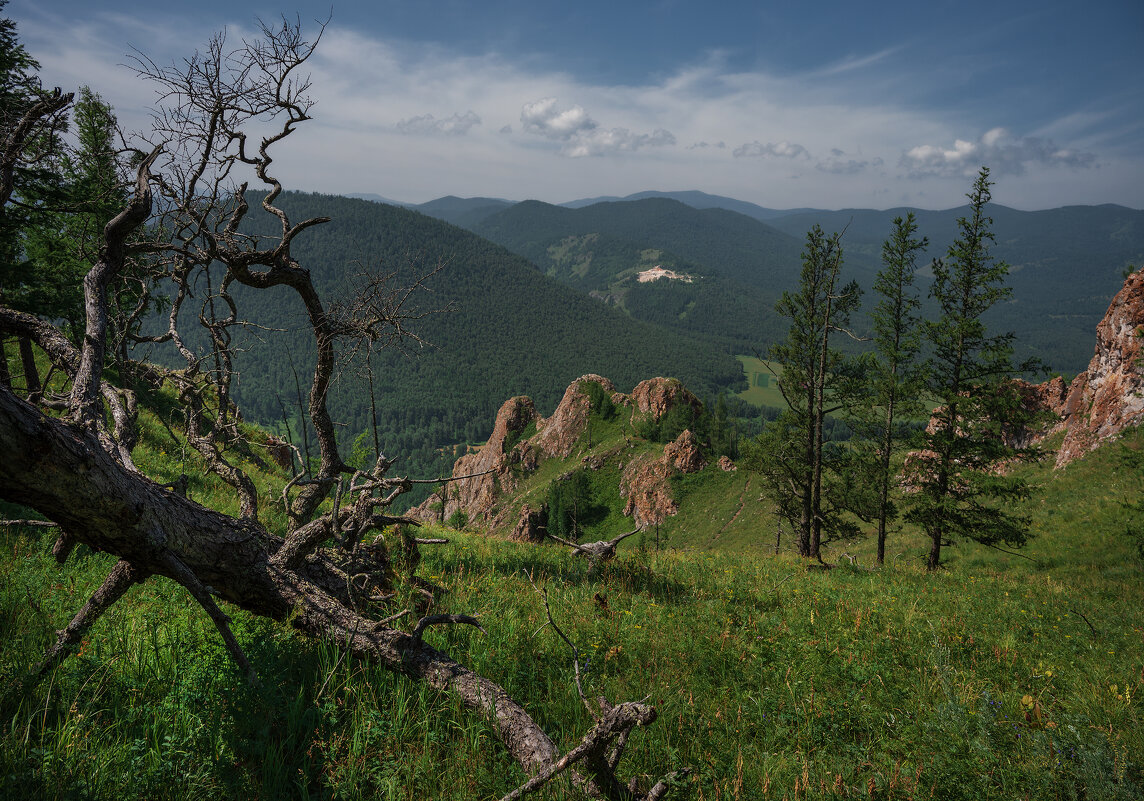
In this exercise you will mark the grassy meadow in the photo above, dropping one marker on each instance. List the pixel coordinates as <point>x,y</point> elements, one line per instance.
<point>998,677</point>
<point>762,384</point>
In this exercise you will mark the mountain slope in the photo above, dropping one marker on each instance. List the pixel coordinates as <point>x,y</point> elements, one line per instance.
<point>509,330</point>
<point>741,265</point>
<point>697,200</point>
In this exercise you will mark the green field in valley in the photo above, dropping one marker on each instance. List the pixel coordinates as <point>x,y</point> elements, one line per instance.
<point>762,383</point>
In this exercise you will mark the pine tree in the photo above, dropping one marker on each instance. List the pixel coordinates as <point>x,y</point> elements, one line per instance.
<point>895,380</point>
<point>86,192</point>
<point>960,492</point>
<point>814,378</point>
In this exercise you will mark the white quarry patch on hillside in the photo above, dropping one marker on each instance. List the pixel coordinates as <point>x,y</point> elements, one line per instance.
<point>657,272</point>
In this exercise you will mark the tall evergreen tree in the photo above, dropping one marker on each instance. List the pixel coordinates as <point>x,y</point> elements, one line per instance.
<point>792,453</point>
<point>895,380</point>
<point>86,192</point>
<point>960,492</point>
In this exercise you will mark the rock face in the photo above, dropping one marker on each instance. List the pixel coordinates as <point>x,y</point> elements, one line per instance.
<point>658,395</point>
<point>531,525</point>
<point>646,485</point>
<point>558,434</point>
<point>1107,397</point>
<point>646,482</point>
<point>684,455</point>
<point>500,464</point>
<point>476,496</point>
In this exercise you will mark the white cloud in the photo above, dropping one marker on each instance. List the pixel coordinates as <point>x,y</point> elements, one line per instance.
<point>997,149</point>
<point>544,118</point>
<point>371,130</point>
<point>581,135</point>
<point>783,149</point>
<point>426,124</point>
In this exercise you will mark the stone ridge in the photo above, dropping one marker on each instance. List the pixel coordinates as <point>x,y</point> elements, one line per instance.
<point>498,467</point>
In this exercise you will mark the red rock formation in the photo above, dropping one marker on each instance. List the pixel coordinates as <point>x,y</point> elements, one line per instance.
<point>658,395</point>
<point>1107,397</point>
<point>558,434</point>
<point>683,454</point>
<point>645,483</point>
<point>726,465</point>
<point>477,496</point>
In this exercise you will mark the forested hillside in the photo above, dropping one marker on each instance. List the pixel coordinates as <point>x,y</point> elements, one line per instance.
<point>504,330</point>
<point>1064,265</point>
<point>741,265</point>
<point>1065,262</point>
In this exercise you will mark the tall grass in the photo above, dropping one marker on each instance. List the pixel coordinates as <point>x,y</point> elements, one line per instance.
<point>998,677</point>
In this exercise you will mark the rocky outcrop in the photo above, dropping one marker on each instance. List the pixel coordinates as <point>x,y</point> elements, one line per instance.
<point>557,435</point>
<point>489,466</point>
<point>657,396</point>
<point>726,465</point>
<point>499,466</point>
<point>531,525</point>
<point>1106,398</point>
<point>684,454</point>
<point>646,486</point>
<point>646,481</point>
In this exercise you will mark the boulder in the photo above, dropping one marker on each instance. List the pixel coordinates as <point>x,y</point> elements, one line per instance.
<point>531,525</point>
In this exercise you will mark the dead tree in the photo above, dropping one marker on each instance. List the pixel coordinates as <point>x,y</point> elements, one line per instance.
<point>324,575</point>
<point>597,551</point>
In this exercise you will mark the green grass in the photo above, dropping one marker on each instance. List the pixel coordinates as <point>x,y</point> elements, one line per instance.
<point>997,677</point>
<point>762,384</point>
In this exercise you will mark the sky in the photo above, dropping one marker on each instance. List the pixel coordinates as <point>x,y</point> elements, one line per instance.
<point>786,104</point>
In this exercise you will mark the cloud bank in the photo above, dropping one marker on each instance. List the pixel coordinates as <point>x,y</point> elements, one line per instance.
<point>783,150</point>
<point>426,124</point>
<point>997,148</point>
<point>415,121</point>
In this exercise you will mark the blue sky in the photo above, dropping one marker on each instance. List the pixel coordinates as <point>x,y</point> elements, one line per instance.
<point>785,104</point>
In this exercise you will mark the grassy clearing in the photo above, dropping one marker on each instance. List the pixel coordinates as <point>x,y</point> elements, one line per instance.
<point>766,677</point>
<point>762,384</point>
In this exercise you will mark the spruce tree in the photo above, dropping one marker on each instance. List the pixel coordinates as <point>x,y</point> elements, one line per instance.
<point>86,192</point>
<point>960,492</point>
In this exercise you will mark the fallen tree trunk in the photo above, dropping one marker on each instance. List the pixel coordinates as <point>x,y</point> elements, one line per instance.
<point>60,470</point>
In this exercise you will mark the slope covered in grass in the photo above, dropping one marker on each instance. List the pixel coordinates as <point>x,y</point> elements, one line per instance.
<point>998,677</point>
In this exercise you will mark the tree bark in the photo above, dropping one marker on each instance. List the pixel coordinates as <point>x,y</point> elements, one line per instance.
<point>60,470</point>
